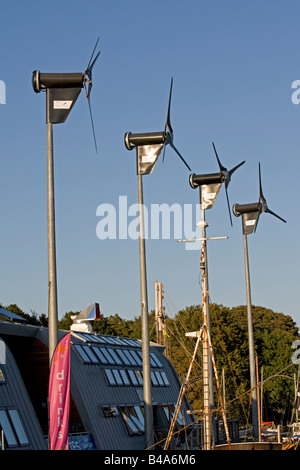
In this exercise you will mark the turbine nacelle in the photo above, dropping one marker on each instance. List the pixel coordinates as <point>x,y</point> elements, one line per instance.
<point>149,145</point>
<point>211,183</point>
<point>63,90</point>
<point>251,212</point>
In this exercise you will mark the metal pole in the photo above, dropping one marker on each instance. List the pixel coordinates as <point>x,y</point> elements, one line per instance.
<point>253,383</point>
<point>158,312</point>
<point>52,286</point>
<point>148,412</point>
<point>182,390</point>
<point>258,400</point>
<point>207,364</point>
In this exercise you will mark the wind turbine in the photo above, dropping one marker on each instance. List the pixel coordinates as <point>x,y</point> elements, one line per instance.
<point>250,214</point>
<point>62,91</point>
<point>148,148</point>
<point>209,187</point>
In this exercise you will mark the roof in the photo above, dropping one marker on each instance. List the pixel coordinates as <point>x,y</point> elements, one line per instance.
<point>106,388</point>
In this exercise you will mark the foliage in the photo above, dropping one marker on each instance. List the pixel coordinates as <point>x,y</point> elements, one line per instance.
<point>274,334</point>
<point>32,319</point>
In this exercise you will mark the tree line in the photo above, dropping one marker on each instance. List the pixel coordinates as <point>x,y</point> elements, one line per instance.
<point>274,334</point>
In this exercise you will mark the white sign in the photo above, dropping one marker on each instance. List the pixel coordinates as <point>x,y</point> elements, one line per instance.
<point>2,92</point>
<point>62,104</point>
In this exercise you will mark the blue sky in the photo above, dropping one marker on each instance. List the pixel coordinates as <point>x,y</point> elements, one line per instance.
<point>233,65</point>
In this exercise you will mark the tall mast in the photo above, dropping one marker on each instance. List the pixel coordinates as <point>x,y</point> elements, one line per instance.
<point>159,313</point>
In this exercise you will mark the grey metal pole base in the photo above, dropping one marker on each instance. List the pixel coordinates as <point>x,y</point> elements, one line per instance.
<point>253,382</point>
<point>148,410</point>
<point>52,286</point>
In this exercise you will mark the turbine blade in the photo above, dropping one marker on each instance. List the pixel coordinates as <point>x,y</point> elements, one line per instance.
<point>168,121</point>
<point>93,63</point>
<point>222,168</point>
<point>273,213</point>
<point>174,148</point>
<point>236,167</point>
<point>93,53</point>
<point>163,159</point>
<point>228,205</point>
<point>260,185</point>
<point>92,122</point>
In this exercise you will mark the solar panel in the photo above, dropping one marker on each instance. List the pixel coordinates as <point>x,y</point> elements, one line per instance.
<point>11,316</point>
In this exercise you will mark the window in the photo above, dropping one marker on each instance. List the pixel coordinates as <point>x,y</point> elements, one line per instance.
<point>139,376</point>
<point>14,432</point>
<point>82,353</point>
<point>130,358</point>
<point>133,419</point>
<point>114,356</point>
<point>124,358</point>
<point>18,427</point>
<point>133,377</point>
<point>164,377</point>
<point>124,376</point>
<point>155,361</point>
<point>153,378</point>
<point>100,355</point>
<point>89,353</point>
<point>110,377</point>
<point>117,377</point>
<point>107,356</point>
<point>159,378</point>
<point>136,357</point>
<point>2,378</point>
<point>109,411</point>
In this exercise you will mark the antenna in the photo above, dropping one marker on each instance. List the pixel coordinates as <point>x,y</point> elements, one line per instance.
<point>149,145</point>
<point>211,183</point>
<point>250,215</point>
<point>209,186</point>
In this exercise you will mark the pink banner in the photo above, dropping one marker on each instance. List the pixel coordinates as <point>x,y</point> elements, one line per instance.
<point>59,396</point>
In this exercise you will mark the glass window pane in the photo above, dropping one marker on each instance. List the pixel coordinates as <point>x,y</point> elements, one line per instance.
<point>156,360</point>
<point>139,376</point>
<point>114,356</point>
<point>7,429</point>
<point>133,416</point>
<point>133,424</point>
<point>82,353</point>
<point>110,377</point>
<point>90,337</point>
<point>130,358</point>
<point>99,339</point>
<point>90,354</point>
<point>153,378</point>
<point>124,377</point>
<point>107,355</point>
<point>117,377</point>
<point>99,354</point>
<point>18,426</point>
<point>158,376</point>
<point>2,378</point>
<point>164,377</point>
<point>139,414</point>
<point>133,378</point>
<point>136,357</point>
<point>109,411</point>
<point>123,357</point>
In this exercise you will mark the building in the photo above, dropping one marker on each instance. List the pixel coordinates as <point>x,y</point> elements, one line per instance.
<point>106,404</point>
